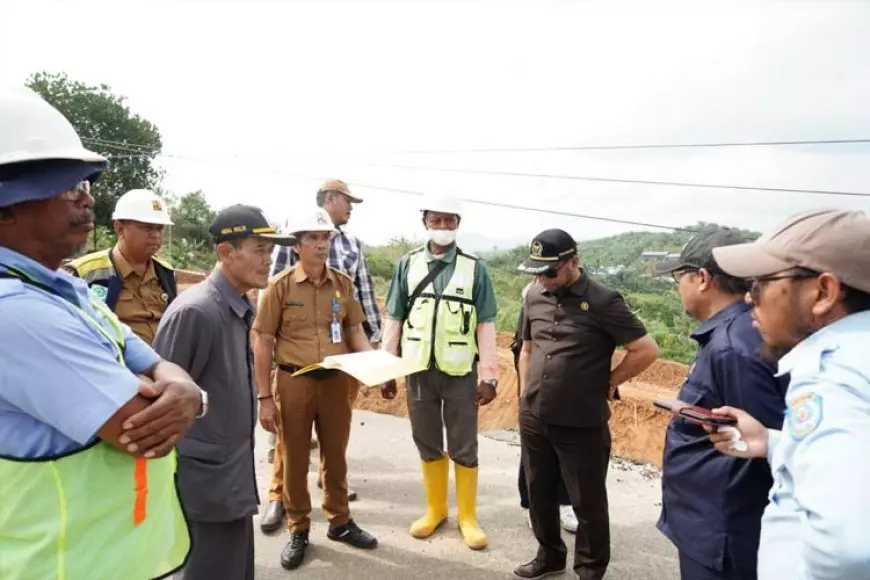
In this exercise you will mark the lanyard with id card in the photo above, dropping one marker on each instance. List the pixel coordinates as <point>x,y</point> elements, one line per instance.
<point>335,326</point>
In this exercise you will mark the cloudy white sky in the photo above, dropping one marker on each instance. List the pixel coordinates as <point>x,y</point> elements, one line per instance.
<point>256,101</point>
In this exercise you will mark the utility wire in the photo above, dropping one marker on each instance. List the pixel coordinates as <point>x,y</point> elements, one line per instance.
<point>619,180</point>
<point>632,146</point>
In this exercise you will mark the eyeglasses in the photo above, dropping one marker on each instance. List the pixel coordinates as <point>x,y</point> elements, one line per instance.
<point>77,192</point>
<point>678,274</point>
<point>757,285</point>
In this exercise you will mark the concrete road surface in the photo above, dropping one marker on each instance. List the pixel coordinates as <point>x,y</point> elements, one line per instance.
<point>384,469</point>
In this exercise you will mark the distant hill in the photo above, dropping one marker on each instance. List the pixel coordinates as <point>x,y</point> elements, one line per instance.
<point>619,250</point>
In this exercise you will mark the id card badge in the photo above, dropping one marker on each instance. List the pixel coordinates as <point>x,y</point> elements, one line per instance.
<point>335,331</point>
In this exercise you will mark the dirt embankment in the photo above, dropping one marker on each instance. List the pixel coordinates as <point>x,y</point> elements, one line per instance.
<point>638,428</point>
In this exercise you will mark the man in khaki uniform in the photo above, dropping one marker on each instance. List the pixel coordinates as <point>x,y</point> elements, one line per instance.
<point>309,312</point>
<point>135,284</point>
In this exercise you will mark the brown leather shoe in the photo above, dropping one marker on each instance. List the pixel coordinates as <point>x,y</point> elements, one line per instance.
<point>273,516</point>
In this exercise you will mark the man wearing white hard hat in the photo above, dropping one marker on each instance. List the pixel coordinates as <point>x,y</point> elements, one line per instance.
<point>87,459</point>
<point>309,312</point>
<point>441,310</point>
<point>129,277</point>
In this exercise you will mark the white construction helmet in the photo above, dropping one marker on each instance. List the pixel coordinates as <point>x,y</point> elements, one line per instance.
<point>311,221</point>
<point>442,203</point>
<point>33,130</point>
<point>141,205</point>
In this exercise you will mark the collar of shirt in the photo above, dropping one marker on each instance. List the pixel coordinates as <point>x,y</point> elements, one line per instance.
<point>73,289</point>
<point>300,275</point>
<point>578,288</point>
<point>448,256</point>
<point>239,304</point>
<point>125,269</point>
<point>809,350</point>
<point>724,316</point>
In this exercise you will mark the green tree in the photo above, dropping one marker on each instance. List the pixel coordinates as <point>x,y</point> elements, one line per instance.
<point>107,126</point>
<point>188,243</point>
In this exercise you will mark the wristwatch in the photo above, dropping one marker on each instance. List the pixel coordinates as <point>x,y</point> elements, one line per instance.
<point>492,383</point>
<point>203,404</point>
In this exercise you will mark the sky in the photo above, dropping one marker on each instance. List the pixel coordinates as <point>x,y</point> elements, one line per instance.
<point>257,102</point>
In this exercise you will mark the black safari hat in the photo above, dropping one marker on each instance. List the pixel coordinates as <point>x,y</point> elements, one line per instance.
<point>698,252</point>
<point>245,221</point>
<point>547,250</point>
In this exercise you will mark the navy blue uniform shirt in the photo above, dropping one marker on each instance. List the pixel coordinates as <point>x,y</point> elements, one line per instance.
<point>711,503</point>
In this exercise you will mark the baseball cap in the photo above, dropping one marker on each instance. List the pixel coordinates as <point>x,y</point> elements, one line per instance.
<point>547,250</point>
<point>245,221</point>
<point>341,187</point>
<point>823,240</point>
<point>698,251</point>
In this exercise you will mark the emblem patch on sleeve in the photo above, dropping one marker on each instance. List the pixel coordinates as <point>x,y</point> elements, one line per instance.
<point>99,292</point>
<point>804,415</point>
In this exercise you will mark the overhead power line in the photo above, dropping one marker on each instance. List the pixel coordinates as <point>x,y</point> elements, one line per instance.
<point>620,180</point>
<point>630,146</point>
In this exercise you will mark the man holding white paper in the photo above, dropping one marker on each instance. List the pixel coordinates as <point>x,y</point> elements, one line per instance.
<point>307,313</point>
<point>441,307</point>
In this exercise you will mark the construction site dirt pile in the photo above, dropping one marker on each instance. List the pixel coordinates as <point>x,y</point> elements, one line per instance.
<point>638,428</point>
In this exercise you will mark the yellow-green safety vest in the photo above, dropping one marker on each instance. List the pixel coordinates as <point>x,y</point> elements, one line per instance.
<point>94,514</point>
<point>442,328</point>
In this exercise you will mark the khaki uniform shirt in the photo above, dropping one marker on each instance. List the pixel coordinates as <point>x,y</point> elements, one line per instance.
<point>298,312</point>
<point>141,302</point>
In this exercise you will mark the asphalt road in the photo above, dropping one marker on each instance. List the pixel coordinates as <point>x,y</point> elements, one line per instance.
<point>384,469</point>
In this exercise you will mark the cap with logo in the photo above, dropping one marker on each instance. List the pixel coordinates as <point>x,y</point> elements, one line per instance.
<point>314,220</point>
<point>141,205</point>
<point>547,250</point>
<point>339,186</point>
<point>245,221</point>
<point>698,251</point>
<point>823,240</point>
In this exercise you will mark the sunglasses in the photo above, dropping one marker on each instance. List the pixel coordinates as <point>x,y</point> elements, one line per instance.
<point>554,271</point>
<point>757,285</point>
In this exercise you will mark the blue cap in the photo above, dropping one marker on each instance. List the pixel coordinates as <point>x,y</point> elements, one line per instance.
<point>40,180</point>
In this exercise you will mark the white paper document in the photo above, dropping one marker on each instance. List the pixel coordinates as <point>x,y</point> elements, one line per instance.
<point>371,368</point>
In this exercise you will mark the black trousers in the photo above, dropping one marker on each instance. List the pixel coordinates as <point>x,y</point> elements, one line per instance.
<point>221,551</point>
<point>580,457</point>
<point>523,487</point>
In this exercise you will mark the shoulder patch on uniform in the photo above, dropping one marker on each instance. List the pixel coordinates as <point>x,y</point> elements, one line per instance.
<point>98,291</point>
<point>804,415</point>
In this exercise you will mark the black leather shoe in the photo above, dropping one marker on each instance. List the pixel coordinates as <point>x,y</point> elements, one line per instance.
<point>294,552</point>
<point>351,534</point>
<point>273,516</point>
<point>537,569</point>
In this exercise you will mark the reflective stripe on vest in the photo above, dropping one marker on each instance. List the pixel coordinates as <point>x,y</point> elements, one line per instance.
<point>442,328</point>
<point>94,513</point>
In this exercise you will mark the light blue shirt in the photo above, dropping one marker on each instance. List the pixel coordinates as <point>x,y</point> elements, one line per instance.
<point>60,380</point>
<point>817,524</point>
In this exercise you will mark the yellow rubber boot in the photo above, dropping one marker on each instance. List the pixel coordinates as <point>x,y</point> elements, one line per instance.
<point>466,506</point>
<point>435,475</point>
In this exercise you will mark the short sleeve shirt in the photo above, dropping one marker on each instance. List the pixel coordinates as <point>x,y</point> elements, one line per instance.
<point>574,333</point>
<point>141,301</point>
<point>299,312</point>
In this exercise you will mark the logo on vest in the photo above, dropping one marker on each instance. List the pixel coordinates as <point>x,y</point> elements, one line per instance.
<point>460,291</point>
<point>584,306</point>
<point>99,292</point>
<point>164,298</point>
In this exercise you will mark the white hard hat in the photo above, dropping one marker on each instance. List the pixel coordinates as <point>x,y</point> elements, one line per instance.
<point>142,205</point>
<point>311,221</point>
<point>33,130</point>
<point>442,203</point>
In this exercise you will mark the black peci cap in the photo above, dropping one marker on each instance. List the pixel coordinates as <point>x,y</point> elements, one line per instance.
<point>549,249</point>
<point>245,221</point>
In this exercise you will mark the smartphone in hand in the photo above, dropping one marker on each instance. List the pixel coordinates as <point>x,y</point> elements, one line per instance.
<point>694,414</point>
